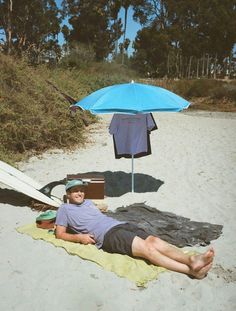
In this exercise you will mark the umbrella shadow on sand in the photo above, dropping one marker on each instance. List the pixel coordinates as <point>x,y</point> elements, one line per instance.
<point>119,183</point>
<point>116,184</point>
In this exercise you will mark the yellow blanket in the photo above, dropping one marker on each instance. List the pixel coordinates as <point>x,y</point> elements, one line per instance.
<point>136,270</point>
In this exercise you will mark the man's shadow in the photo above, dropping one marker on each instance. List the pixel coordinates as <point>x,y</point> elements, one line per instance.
<point>119,183</point>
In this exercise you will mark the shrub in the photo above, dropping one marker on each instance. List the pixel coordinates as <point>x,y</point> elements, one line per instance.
<point>79,56</point>
<point>34,116</point>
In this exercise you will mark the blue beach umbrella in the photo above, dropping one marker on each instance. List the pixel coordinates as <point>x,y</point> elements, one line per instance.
<point>132,98</point>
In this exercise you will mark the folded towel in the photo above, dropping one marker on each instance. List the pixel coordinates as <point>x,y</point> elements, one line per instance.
<point>136,270</point>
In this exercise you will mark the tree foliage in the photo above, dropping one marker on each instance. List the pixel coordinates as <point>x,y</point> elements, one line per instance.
<point>186,33</point>
<point>30,26</point>
<point>178,39</point>
<point>94,24</point>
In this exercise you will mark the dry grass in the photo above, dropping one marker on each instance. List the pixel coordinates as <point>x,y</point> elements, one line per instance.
<point>204,94</point>
<point>209,104</point>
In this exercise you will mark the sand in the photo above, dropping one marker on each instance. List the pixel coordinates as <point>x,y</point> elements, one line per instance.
<point>194,154</point>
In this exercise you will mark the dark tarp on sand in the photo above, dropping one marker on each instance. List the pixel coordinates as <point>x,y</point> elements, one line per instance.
<point>177,230</point>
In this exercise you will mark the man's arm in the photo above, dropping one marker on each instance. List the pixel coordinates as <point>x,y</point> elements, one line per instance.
<point>77,238</point>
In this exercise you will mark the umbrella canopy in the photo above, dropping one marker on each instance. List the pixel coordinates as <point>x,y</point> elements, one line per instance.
<point>132,98</point>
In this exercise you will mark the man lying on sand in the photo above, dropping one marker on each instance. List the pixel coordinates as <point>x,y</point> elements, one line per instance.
<point>81,221</point>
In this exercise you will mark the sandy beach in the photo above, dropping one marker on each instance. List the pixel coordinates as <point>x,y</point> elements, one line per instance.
<point>194,156</point>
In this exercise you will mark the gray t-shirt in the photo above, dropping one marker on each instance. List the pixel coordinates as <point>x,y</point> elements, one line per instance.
<point>130,132</point>
<point>86,218</point>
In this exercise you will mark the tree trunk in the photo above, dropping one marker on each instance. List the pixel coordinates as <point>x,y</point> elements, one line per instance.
<point>207,69</point>
<point>116,43</point>
<point>181,66</point>
<point>230,67</point>
<point>126,15</point>
<point>189,68</point>
<point>197,68</point>
<point>162,15</point>
<point>177,65</point>
<point>203,65</point>
<point>168,65</point>
<point>9,26</point>
<point>215,67</point>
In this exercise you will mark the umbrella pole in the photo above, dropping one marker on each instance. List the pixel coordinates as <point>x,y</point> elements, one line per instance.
<point>132,181</point>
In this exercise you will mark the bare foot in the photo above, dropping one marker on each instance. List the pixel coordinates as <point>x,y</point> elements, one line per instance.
<point>201,274</point>
<point>200,261</point>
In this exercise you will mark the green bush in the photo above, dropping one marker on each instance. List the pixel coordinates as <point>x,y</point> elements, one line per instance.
<point>80,57</point>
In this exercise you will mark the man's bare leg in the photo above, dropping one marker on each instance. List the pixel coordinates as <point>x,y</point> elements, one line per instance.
<point>171,259</point>
<point>196,262</point>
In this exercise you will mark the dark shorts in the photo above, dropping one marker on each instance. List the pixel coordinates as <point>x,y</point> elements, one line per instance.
<point>119,238</point>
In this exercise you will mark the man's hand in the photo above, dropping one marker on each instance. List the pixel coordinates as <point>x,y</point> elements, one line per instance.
<point>86,239</point>
<point>77,238</point>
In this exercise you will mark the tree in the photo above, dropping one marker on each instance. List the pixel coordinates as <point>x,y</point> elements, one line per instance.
<point>115,6</point>
<point>30,26</point>
<point>91,25</point>
<point>126,4</point>
<point>196,31</point>
<point>152,43</point>
<point>203,26</point>
<point>148,11</point>
<point>149,57</point>
<point>8,24</point>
